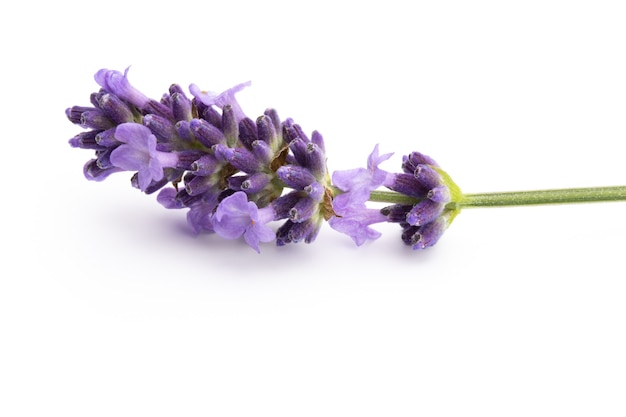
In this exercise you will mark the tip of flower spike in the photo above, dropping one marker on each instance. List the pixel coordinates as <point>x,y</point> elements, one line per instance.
<point>434,206</point>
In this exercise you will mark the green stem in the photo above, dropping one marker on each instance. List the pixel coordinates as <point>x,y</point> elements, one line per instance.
<point>517,198</point>
<point>391,197</point>
<point>558,196</point>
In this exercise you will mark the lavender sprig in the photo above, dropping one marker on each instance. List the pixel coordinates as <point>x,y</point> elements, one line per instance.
<point>236,176</point>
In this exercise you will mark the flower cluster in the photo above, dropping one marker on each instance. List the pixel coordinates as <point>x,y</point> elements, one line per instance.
<point>236,175</point>
<point>424,222</point>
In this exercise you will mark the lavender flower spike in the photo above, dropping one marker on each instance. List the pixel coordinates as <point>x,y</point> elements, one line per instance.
<point>138,153</point>
<point>236,216</point>
<point>235,175</point>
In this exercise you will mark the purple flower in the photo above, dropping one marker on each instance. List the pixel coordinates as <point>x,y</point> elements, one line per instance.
<point>138,153</point>
<point>357,183</point>
<point>200,217</point>
<point>351,215</point>
<point>236,216</point>
<point>223,99</point>
<point>373,160</point>
<point>117,83</point>
<point>424,221</point>
<point>355,223</point>
<point>167,198</point>
<point>427,185</point>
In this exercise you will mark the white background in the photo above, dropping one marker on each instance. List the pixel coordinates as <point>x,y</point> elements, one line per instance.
<point>110,307</point>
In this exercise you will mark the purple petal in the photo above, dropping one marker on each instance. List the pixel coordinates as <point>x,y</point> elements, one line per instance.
<point>236,216</point>
<point>376,159</point>
<point>117,83</point>
<point>200,217</point>
<point>259,231</point>
<point>138,153</point>
<point>355,224</point>
<point>349,179</point>
<point>167,198</point>
<point>232,216</point>
<point>357,183</point>
<point>220,100</point>
<point>351,200</point>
